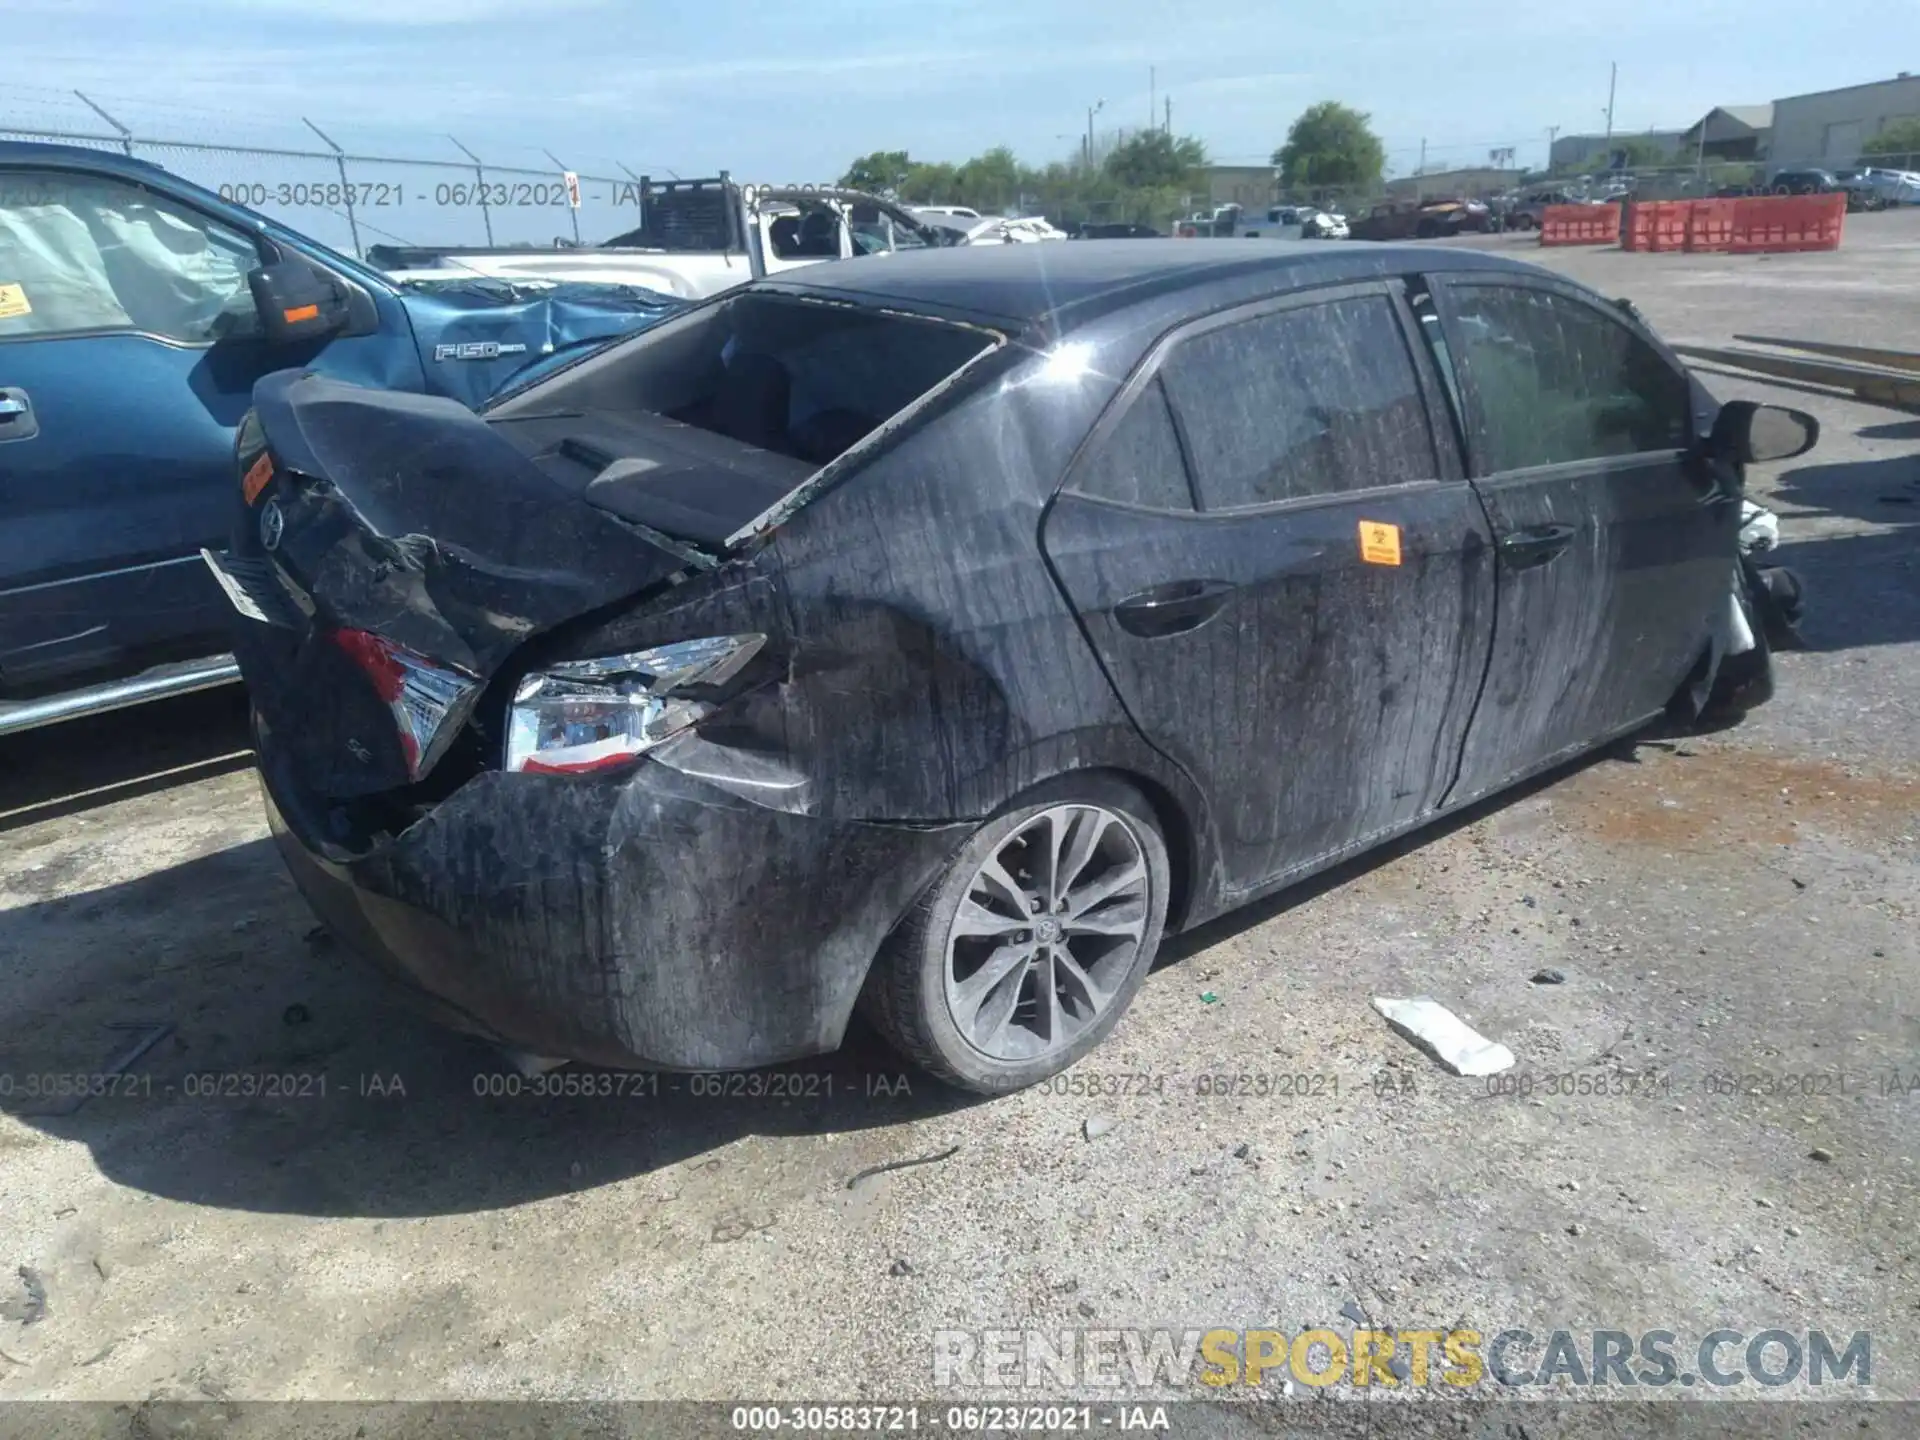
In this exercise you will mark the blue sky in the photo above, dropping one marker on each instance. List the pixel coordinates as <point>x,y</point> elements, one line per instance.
<point>790,92</point>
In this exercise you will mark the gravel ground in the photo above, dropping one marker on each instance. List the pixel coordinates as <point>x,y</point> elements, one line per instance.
<point>1730,904</point>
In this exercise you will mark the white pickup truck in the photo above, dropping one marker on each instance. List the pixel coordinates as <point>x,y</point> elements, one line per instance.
<point>695,238</point>
<point>1276,222</point>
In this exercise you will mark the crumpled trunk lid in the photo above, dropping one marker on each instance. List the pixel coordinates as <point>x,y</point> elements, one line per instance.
<point>409,518</point>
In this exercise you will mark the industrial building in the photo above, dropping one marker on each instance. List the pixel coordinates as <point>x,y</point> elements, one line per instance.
<point>1828,127</point>
<point>1593,151</point>
<point>1730,132</point>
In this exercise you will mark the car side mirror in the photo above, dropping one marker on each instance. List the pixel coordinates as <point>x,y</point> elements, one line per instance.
<point>296,302</point>
<point>1748,433</point>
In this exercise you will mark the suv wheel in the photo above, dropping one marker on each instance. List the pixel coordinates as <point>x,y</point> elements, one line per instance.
<point>1027,951</point>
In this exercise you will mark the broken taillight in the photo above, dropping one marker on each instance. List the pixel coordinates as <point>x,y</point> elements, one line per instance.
<point>583,715</point>
<point>427,700</point>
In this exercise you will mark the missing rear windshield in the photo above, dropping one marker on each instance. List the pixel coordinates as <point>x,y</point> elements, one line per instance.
<point>798,378</point>
<point>706,422</point>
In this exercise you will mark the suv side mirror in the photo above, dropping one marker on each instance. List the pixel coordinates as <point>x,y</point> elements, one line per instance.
<point>1748,433</point>
<point>296,302</point>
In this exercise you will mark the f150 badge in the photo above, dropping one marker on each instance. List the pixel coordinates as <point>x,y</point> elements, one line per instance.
<point>477,350</point>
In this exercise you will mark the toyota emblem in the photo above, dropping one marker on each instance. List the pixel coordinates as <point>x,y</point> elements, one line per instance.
<point>272,525</point>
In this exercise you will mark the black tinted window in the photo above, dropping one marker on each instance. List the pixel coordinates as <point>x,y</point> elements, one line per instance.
<point>1313,401</point>
<point>1555,380</point>
<point>1138,463</point>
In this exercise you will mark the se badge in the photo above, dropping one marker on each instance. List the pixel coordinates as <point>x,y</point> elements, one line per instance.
<point>1379,543</point>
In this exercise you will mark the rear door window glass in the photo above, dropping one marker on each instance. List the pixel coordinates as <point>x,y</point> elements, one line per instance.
<point>1139,462</point>
<point>82,253</point>
<point>1553,380</point>
<point>1318,400</point>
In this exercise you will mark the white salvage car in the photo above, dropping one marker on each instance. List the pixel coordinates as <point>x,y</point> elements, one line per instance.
<point>695,238</point>
<point>964,227</point>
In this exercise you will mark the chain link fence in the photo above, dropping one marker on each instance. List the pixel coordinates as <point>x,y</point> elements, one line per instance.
<point>345,194</point>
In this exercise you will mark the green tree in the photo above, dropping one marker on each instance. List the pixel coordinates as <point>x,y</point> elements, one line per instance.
<point>883,172</point>
<point>1330,144</point>
<point>1149,183</point>
<point>927,184</point>
<point>990,183</point>
<point>1899,137</point>
<point>1153,159</point>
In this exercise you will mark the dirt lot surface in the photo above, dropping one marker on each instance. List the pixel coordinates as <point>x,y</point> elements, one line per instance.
<point>1733,914</point>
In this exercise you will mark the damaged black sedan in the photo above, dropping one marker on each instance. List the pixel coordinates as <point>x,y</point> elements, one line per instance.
<point>936,634</point>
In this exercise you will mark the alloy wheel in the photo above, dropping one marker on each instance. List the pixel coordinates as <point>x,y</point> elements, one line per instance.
<point>1049,929</point>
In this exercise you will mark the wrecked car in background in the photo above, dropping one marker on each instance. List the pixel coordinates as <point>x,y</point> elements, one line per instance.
<point>1873,188</point>
<point>956,229</point>
<point>136,312</point>
<point>695,238</point>
<point>1527,211</point>
<point>937,633</point>
<point>1421,220</point>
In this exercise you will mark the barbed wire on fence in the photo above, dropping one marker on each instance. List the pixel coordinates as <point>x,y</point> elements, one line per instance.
<point>349,197</point>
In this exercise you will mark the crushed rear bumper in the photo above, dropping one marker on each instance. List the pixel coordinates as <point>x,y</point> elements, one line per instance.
<point>651,919</point>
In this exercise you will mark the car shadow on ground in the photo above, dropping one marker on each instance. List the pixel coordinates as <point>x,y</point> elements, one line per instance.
<point>1894,430</point>
<point>80,765</point>
<point>1861,590</point>
<point>280,1075</point>
<point>283,1077</point>
<point>287,1078</point>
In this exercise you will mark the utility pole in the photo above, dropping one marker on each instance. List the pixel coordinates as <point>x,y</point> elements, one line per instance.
<point>1153,93</point>
<point>1169,104</point>
<point>1553,133</point>
<point>1419,184</point>
<point>1613,75</point>
<point>1092,110</point>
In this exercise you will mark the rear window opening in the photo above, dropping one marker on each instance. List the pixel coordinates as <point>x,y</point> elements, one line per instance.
<point>696,426</point>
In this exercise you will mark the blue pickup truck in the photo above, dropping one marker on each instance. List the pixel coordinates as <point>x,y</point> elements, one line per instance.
<point>136,312</point>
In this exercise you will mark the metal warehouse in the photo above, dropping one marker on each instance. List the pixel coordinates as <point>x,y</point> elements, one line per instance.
<point>1829,126</point>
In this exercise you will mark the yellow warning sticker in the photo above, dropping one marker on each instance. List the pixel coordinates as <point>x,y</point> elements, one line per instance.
<point>1379,543</point>
<point>13,301</point>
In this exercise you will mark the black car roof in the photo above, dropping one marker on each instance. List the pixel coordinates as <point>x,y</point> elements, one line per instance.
<point>1068,283</point>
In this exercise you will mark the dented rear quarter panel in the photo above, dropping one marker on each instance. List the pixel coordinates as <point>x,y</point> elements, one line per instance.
<point>929,668</point>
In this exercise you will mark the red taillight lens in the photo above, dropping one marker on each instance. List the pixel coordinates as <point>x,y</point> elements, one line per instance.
<point>377,658</point>
<point>426,700</point>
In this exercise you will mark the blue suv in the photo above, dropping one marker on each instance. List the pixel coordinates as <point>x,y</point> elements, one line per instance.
<point>136,312</point>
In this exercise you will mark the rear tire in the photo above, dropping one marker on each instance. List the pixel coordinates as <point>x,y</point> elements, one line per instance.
<point>992,999</point>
